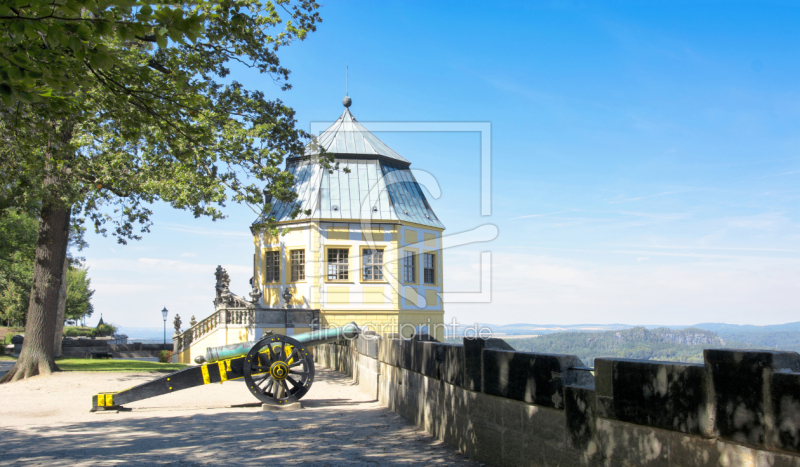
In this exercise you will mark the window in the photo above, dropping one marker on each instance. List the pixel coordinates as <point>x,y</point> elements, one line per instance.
<point>272,261</point>
<point>372,265</point>
<point>337,264</point>
<point>298,259</point>
<point>409,266</point>
<point>429,260</point>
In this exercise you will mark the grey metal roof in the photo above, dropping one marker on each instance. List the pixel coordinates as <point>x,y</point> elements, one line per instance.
<point>347,136</point>
<point>379,187</point>
<point>374,190</point>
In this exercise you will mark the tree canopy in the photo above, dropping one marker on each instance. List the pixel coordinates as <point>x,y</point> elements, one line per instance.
<point>48,46</point>
<point>110,106</point>
<point>152,119</point>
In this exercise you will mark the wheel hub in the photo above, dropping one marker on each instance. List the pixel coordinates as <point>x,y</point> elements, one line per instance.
<point>279,371</point>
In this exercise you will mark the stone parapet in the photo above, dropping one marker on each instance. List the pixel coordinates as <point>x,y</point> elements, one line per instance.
<point>503,407</point>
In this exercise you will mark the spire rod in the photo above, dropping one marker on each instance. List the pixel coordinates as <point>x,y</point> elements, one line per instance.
<point>347,102</point>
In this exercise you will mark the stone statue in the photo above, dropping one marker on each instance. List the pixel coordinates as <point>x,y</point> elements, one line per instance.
<point>226,298</point>
<point>177,323</point>
<point>255,294</point>
<point>192,322</point>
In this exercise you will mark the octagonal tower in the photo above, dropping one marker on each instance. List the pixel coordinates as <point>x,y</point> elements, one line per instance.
<point>370,250</point>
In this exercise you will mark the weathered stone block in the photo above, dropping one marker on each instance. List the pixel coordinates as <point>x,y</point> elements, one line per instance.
<point>774,459</point>
<point>739,389</point>
<point>667,395</point>
<point>432,406</point>
<point>389,351</point>
<point>692,451</point>
<point>427,357</point>
<point>580,411</point>
<point>453,369</point>
<point>785,402</point>
<point>368,345</point>
<point>556,456</point>
<point>488,444</point>
<point>544,423</point>
<point>513,449</point>
<point>534,453</point>
<point>529,377</point>
<point>458,429</point>
<point>483,409</point>
<point>473,359</point>
<point>512,414</point>
<point>632,444</point>
<point>406,357</point>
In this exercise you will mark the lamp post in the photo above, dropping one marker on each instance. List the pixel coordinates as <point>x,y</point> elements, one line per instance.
<point>164,314</point>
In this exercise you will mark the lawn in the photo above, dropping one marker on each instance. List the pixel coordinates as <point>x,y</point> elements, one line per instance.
<point>83,364</point>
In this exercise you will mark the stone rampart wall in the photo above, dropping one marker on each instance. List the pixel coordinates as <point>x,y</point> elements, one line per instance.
<point>508,408</point>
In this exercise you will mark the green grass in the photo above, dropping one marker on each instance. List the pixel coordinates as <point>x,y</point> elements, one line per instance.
<point>83,364</point>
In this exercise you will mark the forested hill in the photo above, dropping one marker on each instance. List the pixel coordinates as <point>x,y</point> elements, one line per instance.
<point>684,345</point>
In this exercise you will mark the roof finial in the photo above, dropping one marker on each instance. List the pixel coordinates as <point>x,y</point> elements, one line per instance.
<point>347,102</point>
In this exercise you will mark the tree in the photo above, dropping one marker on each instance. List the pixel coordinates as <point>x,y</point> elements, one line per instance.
<point>17,247</point>
<point>158,121</point>
<point>79,294</point>
<point>48,44</point>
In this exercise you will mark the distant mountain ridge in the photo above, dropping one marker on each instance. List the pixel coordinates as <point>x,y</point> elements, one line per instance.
<point>681,345</point>
<point>541,329</point>
<point>740,328</point>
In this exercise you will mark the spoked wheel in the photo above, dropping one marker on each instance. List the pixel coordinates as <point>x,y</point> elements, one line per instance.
<point>278,370</point>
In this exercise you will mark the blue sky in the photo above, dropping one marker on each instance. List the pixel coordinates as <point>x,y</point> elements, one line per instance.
<point>645,159</point>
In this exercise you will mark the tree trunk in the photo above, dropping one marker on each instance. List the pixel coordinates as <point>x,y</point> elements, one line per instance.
<point>62,307</point>
<point>36,357</point>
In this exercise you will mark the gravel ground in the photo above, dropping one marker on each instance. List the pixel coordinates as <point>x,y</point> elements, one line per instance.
<point>46,421</point>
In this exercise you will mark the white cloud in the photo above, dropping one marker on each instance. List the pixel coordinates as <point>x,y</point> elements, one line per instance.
<point>206,232</point>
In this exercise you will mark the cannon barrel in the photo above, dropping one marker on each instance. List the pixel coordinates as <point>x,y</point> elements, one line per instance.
<point>231,362</point>
<point>310,339</point>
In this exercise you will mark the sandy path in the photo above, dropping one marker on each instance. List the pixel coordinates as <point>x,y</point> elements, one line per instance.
<point>46,421</point>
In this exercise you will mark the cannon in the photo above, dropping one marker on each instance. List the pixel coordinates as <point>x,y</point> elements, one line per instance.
<point>277,369</point>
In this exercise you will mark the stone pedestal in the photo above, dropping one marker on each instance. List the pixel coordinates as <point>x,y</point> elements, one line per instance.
<point>281,408</point>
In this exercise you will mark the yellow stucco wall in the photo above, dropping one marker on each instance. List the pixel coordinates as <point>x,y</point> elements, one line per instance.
<point>395,302</point>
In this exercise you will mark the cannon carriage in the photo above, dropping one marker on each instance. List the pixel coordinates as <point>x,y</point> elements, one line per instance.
<point>277,369</point>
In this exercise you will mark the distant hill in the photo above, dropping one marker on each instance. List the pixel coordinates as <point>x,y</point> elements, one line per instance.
<point>743,328</point>
<point>722,329</point>
<point>538,329</point>
<point>677,345</point>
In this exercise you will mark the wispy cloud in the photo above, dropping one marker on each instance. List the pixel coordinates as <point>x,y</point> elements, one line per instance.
<point>644,292</point>
<point>781,174</point>
<point>620,200</point>
<point>206,232</point>
<point>719,248</point>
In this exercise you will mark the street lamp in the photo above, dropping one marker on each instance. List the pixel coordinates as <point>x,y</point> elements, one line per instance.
<point>164,314</point>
